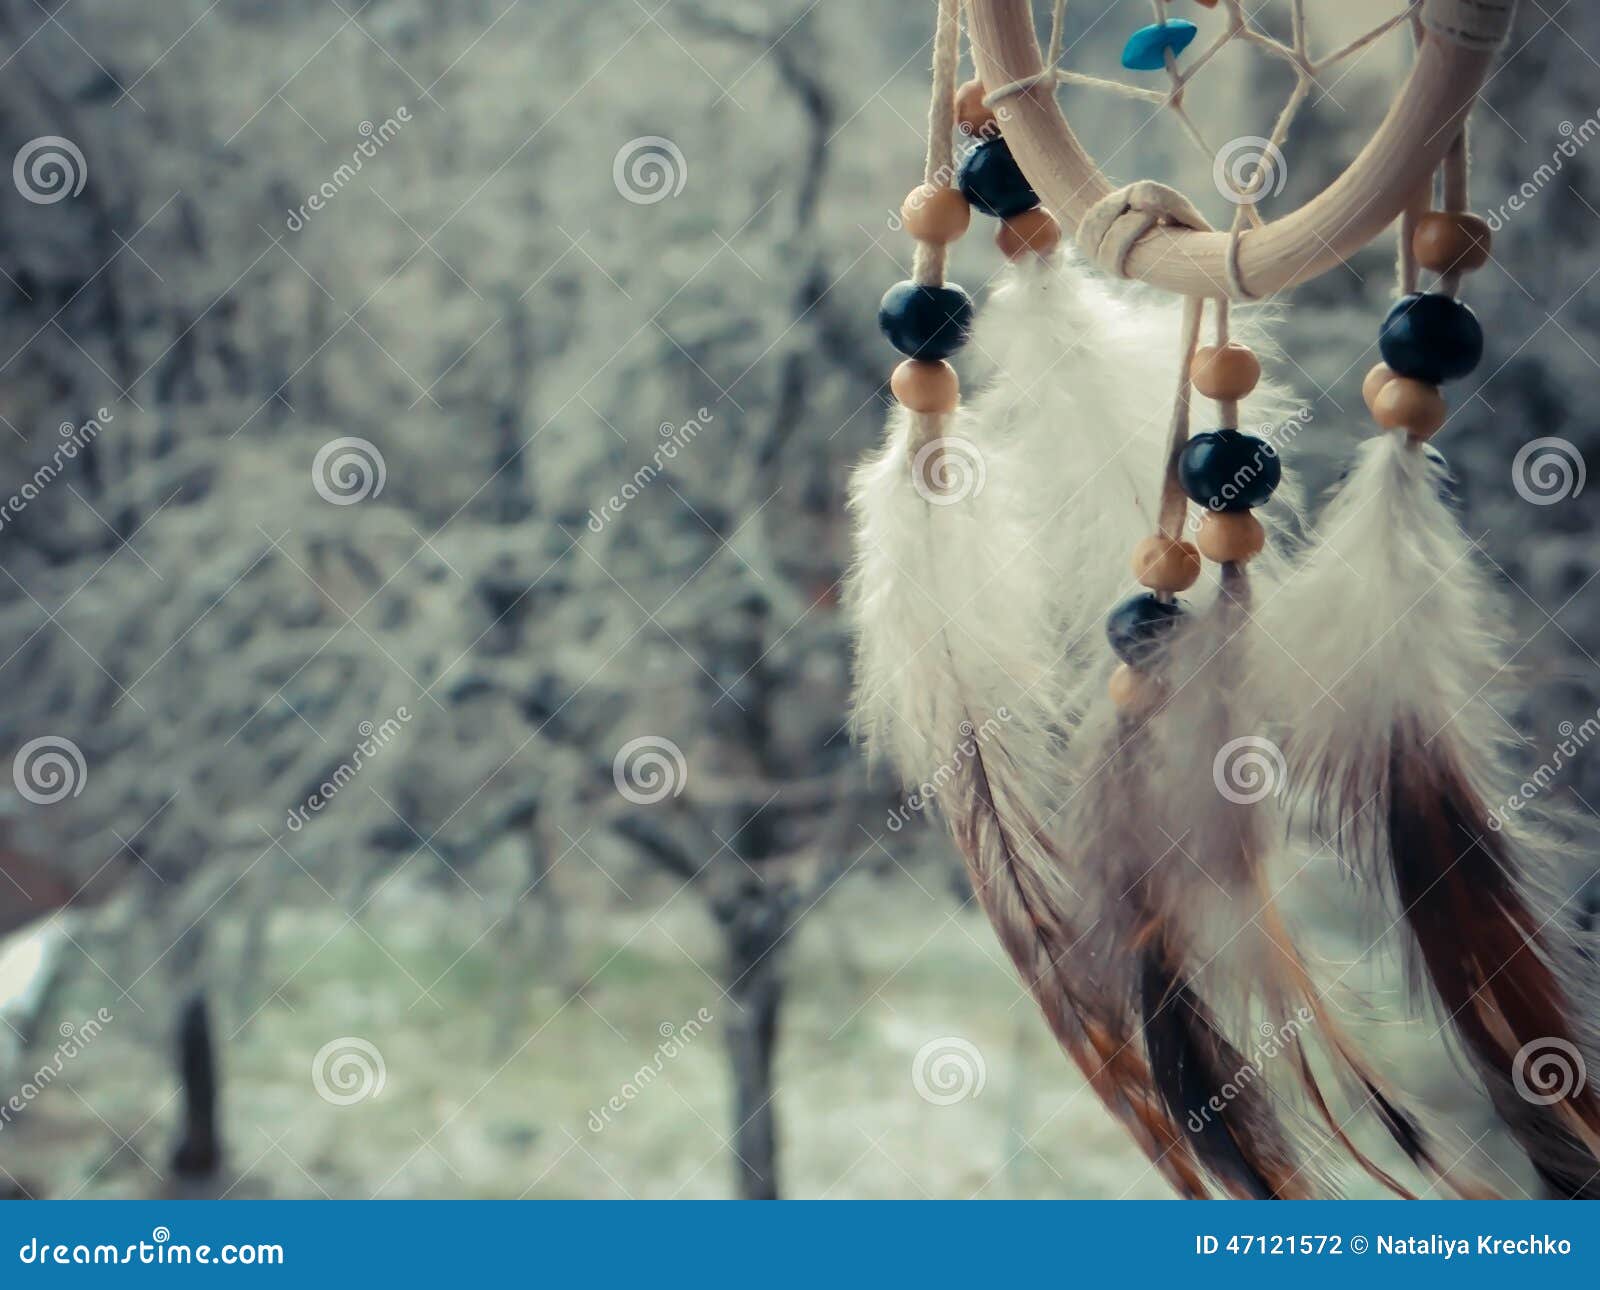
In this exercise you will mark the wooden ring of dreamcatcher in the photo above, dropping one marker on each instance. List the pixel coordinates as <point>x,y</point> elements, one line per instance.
<point>1421,124</point>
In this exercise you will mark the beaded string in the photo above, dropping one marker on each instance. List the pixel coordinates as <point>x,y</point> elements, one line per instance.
<point>1431,337</point>
<point>1226,473</point>
<point>926,318</point>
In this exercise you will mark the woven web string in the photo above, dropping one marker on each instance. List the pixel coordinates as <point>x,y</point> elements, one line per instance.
<point>1296,52</point>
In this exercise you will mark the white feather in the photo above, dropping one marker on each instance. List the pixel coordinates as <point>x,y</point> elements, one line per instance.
<point>1081,393</point>
<point>998,599</point>
<point>1388,618</point>
<point>1380,657</point>
<point>948,627</point>
<point>1084,375</point>
<point>988,602</point>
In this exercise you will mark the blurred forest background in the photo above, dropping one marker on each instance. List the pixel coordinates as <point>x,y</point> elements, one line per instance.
<point>603,901</point>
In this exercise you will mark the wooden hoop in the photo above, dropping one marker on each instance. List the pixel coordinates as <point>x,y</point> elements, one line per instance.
<point>1402,155</point>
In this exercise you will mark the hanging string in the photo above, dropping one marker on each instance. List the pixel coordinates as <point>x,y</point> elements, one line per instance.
<point>1227,409</point>
<point>929,262</point>
<point>1174,501</point>
<point>1407,270</point>
<point>925,453</point>
<point>1455,197</point>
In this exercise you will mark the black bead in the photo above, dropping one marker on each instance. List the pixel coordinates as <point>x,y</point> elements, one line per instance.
<point>993,182</point>
<point>926,322</point>
<point>1431,337</point>
<point>1226,470</point>
<point>1138,625</point>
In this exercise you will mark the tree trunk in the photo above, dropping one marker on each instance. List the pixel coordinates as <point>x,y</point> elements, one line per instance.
<point>752,1044</point>
<point>755,925</point>
<point>199,1149</point>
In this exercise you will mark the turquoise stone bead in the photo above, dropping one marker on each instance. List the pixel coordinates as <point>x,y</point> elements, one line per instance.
<point>1147,48</point>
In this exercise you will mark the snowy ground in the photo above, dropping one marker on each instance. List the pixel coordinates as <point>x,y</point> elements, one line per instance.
<point>490,1082</point>
<point>494,1081</point>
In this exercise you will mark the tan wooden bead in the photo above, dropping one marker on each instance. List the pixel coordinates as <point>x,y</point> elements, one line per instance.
<point>1376,379</point>
<point>934,214</point>
<point>971,115</point>
<point>1413,406</point>
<point>1225,372</point>
<point>1230,537</point>
<point>1132,690</point>
<point>1166,564</point>
<point>1036,231</point>
<point>1451,241</point>
<point>925,387</point>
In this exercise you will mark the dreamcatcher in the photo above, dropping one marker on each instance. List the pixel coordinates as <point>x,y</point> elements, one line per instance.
<point>1093,791</point>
